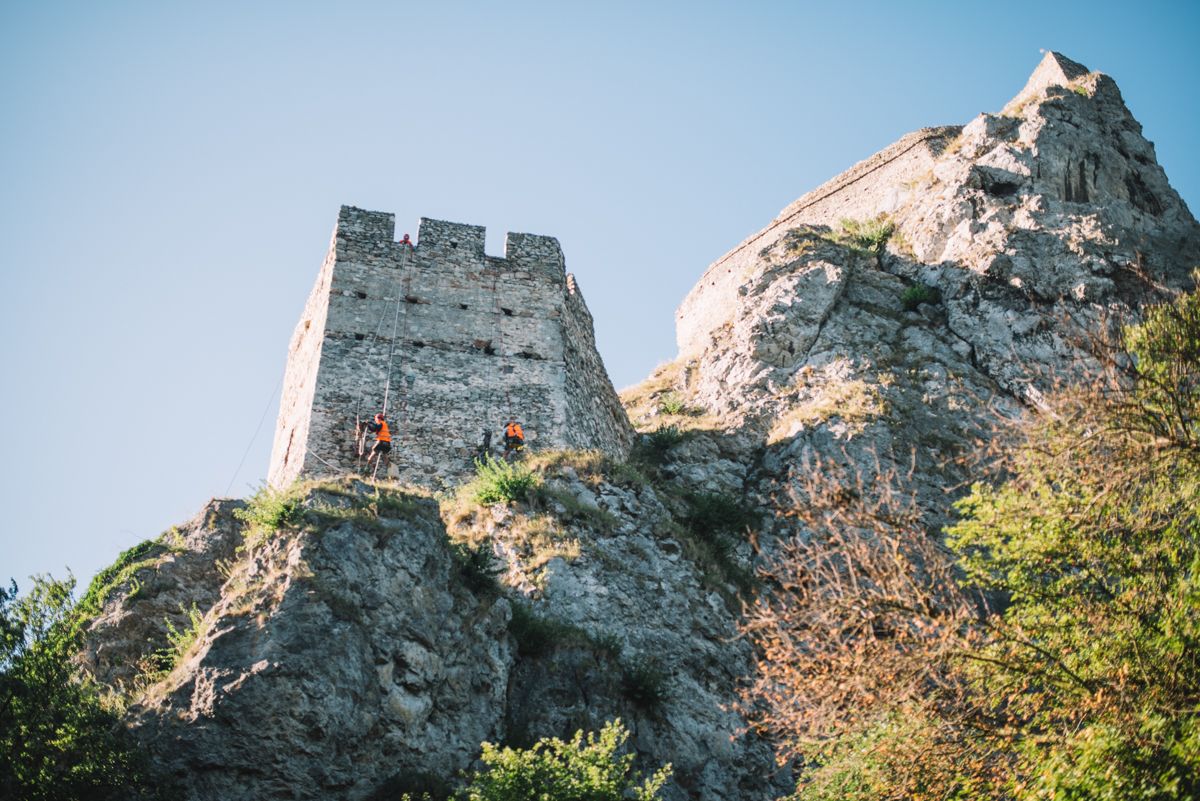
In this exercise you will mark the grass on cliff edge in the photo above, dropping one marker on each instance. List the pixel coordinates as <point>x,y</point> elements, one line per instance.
<point>663,399</point>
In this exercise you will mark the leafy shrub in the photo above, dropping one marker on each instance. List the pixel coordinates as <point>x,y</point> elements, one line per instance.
<point>116,574</point>
<point>653,447</point>
<point>536,634</point>
<point>671,403</point>
<point>713,525</point>
<point>644,682</point>
<point>57,740</point>
<point>477,565</point>
<point>270,509</point>
<point>917,294</point>
<point>579,769</point>
<point>497,481</point>
<point>879,653</point>
<point>608,644</point>
<point>870,236</point>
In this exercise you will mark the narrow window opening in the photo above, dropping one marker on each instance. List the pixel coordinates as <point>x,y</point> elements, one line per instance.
<point>360,295</point>
<point>525,354</point>
<point>411,299</point>
<point>462,306</point>
<point>507,312</point>
<point>418,343</point>
<point>489,350</point>
<point>453,244</point>
<point>360,337</point>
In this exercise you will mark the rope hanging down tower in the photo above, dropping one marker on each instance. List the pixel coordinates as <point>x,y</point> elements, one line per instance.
<point>401,299</point>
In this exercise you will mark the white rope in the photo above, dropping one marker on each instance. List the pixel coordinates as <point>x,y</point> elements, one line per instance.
<point>258,429</point>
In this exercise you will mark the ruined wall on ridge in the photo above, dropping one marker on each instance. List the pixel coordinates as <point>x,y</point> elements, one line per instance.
<point>880,184</point>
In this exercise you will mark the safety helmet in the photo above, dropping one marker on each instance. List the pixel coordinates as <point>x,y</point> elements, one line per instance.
<point>379,418</point>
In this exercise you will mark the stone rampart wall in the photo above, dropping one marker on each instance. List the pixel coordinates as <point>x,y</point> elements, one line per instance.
<point>878,185</point>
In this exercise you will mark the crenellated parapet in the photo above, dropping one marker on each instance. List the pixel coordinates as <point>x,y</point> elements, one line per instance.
<point>450,343</point>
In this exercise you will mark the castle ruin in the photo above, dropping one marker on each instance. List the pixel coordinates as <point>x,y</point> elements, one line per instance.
<point>452,342</point>
<point>877,185</point>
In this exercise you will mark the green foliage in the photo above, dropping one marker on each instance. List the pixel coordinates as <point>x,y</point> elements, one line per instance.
<point>654,447</point>
<point>1095,539</point>
<point>917,294</point>
<point>1166,352</point>
<point>537,635</point>
<point>711,527</point>
<point>579,769</point>
<point>894,758</point>
<point>477,565</point>
<point>57,741</point>
<point>868,236</point>
<point>498,481</point>
<point>712,516</point>
<point>270,510</point>
<point>644,682</point>
<point>116,574</point>
<point>671,403</point>
<point>1083,681</point>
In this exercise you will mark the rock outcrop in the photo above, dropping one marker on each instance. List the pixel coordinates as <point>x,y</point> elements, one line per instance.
<point>877,326</point>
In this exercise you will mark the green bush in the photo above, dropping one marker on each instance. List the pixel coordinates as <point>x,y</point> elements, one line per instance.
<point>869,236</point>
<point>57,740</point>
<point>917,294</point>
<point>644,682</point>
<point>116,574</point>
<point>1085,682</point>
<point>712,516</point>
<point>498,481</point>
<point>671,403</point>
<point>537,635</point>
<point>478,566</point>
<point>270,509</point>
<point>653,447</point>
<point>579,769</point>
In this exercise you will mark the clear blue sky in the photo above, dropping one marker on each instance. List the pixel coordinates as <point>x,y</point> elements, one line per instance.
<point>172,172</point>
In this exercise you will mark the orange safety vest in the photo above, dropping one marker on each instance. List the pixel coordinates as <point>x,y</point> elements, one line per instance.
<point>383,434</point>
<point>514,430</point>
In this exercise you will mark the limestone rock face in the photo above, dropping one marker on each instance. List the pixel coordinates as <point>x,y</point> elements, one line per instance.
<point>634,589</point>
<point>336,657</point>
<point>352,655</point>
<point>1010,238</point>
<point>180,572</point>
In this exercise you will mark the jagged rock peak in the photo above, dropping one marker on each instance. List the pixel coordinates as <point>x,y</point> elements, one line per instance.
<point>1055,69</point>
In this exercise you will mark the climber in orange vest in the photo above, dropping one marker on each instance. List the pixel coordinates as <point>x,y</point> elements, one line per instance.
<point>514,437</point>
<point>383,439</point>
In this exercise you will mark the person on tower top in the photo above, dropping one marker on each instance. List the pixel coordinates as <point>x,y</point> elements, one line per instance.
<point>406,241</point>
<point>514,437</point>
<point>383,439</point>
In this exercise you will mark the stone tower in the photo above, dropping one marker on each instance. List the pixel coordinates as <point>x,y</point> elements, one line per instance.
<point>452,342</point>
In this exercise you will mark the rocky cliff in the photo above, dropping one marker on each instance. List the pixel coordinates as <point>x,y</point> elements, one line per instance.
<point>355,645</point>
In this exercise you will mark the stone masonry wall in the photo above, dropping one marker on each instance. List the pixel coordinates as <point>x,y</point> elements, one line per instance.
<point>878,185</point>
<point>592,403</point>
<point>452,341</point>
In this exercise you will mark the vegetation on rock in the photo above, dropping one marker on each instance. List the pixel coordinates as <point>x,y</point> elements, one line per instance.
<point>58,741</point>
<point>498,481</point>
<point>1064,663</point>
<point>583,768</point>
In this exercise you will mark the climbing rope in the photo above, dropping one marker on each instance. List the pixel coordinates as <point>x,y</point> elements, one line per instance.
<point>253,438</point>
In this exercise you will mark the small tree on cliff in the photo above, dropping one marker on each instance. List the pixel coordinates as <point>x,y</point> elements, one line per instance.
<point>1085,684</point>
<point>57,740</point>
